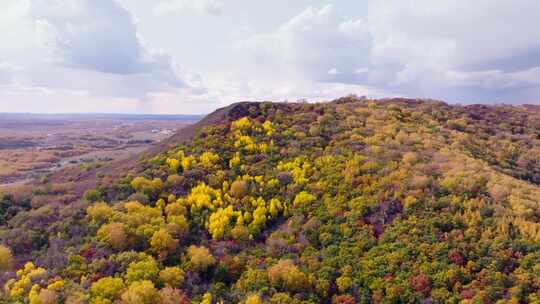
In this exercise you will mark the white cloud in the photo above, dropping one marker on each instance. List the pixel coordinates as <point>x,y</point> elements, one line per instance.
<point>473,51</point>
<point>361,70</point>
<point>310,45</point>
<point>6,66</point>
<point>496,79</point>
<point>212,7</point>
<point>333,71</point>
<point>80,46</point>
<point>16,32</point>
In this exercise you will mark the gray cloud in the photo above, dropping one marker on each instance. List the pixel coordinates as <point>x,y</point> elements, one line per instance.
<point>460,51</point>
<point>98,35</point>
<point>471,51</point>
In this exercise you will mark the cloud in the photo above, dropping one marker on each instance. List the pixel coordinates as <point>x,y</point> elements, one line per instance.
<point>454,50</point>
<point>313,55</point>
<point>459,51</point>
<point>222,92</point>
<point>16,30</point>
<point>98,35</point>
<point>7,72</point>
<point>480,47</point>
<point>20,98</point>
<point>77,46</point>
<point>211,7</point>
<point>316,44</point>
<point>333,71</point>
<point>454,32</point>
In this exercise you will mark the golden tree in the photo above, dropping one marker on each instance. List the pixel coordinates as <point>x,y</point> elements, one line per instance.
<point>6,258</point>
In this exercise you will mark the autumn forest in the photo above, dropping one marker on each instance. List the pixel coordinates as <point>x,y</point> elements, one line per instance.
<point>350,201</point>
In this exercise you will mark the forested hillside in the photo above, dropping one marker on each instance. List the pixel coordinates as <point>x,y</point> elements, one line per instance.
<point>352,201</point>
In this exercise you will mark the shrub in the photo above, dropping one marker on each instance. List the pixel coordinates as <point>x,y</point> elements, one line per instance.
<point>92,195</point>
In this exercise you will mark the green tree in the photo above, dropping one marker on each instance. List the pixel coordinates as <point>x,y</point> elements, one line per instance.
<point>146,186</point>
<point>92,195</point>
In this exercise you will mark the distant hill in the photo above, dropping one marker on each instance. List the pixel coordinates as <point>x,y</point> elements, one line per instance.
<point>351,201</point>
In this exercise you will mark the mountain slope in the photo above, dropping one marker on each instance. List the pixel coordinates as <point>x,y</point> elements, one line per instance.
<point>353,201</point>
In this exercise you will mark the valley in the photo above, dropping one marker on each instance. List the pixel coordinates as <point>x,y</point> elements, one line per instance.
<point>32,146</point>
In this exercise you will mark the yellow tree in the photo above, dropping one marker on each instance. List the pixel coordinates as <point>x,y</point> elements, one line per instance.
<point>239,189</point>
<point>172,276</point>
<point>6,258</point>
<point>145,269</point>
<point>142,292</point>
<point>209,159</point>
<point>114,234</point>
<point>163,243</point>
<point>303,198</point>
<point>200,258</point>
<point>219,222</point>
<point>99,212</point>
<point>177,226</point>
<point>107,289</point>
<point>286,276</point>
<point>254,299</point>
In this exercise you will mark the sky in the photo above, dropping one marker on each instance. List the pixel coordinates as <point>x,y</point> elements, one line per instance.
<point>193,56</point>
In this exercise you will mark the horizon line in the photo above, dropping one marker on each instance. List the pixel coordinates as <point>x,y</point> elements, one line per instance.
<point>98,113</point>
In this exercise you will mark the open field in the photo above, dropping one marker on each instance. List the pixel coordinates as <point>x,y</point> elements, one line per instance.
<point>34,145</point>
